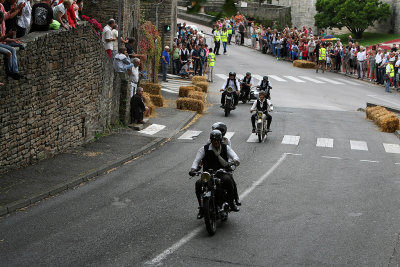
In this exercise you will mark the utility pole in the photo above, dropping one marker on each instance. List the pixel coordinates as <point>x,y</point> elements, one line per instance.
<point>119,22</point>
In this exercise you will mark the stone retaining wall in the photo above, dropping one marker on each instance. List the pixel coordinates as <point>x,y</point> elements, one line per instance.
<point>71,93</point>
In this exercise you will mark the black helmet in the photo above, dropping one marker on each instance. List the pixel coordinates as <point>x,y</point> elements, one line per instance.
<point>216,135</point>
<point>221,127</point>
<point>265,77</point>
<point>248,74</point>
<point>232,74</point>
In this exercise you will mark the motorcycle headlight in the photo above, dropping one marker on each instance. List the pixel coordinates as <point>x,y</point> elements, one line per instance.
<point>205,177</point>
<point>230,89</point>
<point>259,113</point>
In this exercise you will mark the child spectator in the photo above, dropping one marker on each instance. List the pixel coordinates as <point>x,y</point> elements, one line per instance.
<point>42,16</point>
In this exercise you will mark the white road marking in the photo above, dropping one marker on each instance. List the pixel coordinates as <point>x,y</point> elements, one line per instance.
<point>169,91</point>
<point>229,135</point>
<point>366,160</point>
<point>325,142</point>
<point>295,79</point>
<point>152,129</point>
<point>383,99</point>
<point>358,145</point>
<point>162,256</point>
<point>189,135</point>
<point>253,138</point>
<point>240,76</point>
<point>397,163</point>
<point>294,154</point>
<point>392,148</point>
<point>347,81</point>
<point>277,78</point>
<point>310,79</point>
<point>329,80</point>
<point>258,77</point>
<point>328,157</point>
<point>222,76</point>
<point>291,140</point>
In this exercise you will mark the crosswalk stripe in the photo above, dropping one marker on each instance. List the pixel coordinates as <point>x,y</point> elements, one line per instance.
<point>152,129</point>
<point>392,148</point>
<point>169,91</point>
<point>325,142</point>
<point>277,78</point>
<point>253,138</point>
<point>295,79</point>
<point>222,76</point>
<point>258,77</point>
<point>229,135</point>
<point>291,140</point>
<point>311,79</point>
<point>189,135</point>
<point>329,80</point>
<point>358,145</point>
<point>347,81</point>
<point>240,76</point>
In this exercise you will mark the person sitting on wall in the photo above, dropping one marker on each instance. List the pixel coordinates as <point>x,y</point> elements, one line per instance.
<point>42,16</point>
<point>121,61</point>
<point>138,108</point>
<point>60,13</point>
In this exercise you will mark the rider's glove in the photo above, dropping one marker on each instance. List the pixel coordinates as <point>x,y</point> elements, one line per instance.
<point>192,172</point>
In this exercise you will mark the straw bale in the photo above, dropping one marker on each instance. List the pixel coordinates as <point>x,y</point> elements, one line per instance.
<point>199,79</point>
<point>369,110</point>
<point>151,88</point>
<point>196,95</point>
<point>148,103</point>
<point>184,90</point>
<point>186,103</point>
<point>379,113</point>
<point>157,100</point>
<point>389,122</point>
<point>304,64</point>
<point>203,86</point>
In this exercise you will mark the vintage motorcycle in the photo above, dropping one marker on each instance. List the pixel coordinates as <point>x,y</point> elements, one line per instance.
<point>261,126</point>
<point>229,101</point>
<point>214,199</point>
<point>246,95</point>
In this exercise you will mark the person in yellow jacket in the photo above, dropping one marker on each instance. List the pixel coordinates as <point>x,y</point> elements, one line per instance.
<point>230,32</point>
<point>224,37</point>
<point>322,58</point>
<point>216,39</point>
<point>210,63</point>
<point>389,75</point>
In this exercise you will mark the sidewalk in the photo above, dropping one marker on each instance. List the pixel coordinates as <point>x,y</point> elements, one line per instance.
<point>20,188</point>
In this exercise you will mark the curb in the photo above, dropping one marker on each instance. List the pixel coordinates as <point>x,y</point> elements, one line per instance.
<point>9,208</point>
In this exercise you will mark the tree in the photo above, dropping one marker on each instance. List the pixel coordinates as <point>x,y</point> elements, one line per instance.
<point>355,15</point>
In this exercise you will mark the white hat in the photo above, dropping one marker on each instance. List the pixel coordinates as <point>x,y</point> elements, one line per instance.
<point>166,47</point>
<point>391,60</point>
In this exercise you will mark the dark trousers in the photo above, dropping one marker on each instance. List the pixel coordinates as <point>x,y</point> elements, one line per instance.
<point>229,38</point>
<point>235,98</point>
<point>241,38</point>
<point>176,66</point>
<point>216,47</point>
<point>228,184</point>
<point>338,63</point>
<point>164,71</point>
<point>253,120</point>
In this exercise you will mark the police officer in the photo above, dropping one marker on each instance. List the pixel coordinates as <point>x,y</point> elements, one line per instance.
<point>215,156</point>
<point>264,105</point>
<point>211,63</point>
<point>234,84</point>
<point>321,58</point>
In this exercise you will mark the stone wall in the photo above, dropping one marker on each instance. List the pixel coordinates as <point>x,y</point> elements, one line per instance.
<point>70,94</point>
<point>267,12</point>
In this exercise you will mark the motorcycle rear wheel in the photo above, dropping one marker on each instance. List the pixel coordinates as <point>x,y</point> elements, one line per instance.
<point>227,111</point>
<point>210,216</point>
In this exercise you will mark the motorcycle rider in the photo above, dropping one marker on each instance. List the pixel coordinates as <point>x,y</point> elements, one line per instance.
<point>265,86</point>
<point>246,84</point>
<point>234,84</point>
<point>222,128</point>
<point>215,156</point>
<point>262,104</point>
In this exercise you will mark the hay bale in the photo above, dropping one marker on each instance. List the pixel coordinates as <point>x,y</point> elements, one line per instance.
<point>198,89</point>
<point>157,100</point>
<point>148,103</point>
<point>369,110</point>
<point>304,64</point>
<point>196,95</point>
<point>203,86</point>
<point>186,103</point>
<point>378,113</point>
<point>151,88</point>
<point>199,79</point>
<point>184,90</point>
<point>388,123</point>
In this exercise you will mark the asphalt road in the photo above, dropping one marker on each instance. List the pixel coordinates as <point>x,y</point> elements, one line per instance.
<point>303,205</point>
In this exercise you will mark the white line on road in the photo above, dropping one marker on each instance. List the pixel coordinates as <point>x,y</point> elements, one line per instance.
<point>152,129</point>
<point>329,80</point>
<point>229,135</point>
<point>277,78</point>
<point>222,76</point>
<point>258,77</point>
<point>347,81</point>
<point>366,160</point>
<point>358,145</point>
<point>189,135</point>
<point>381,98</point>
<point>328,157</point>
<point>291,140</point>
<point>325,142</point>
<point>397,163</point>
<point>295,79</point>
<point>162,256</point>
<point>294,154</point>
<point>310,79</point>
<point>240,76</point>
<point>169,91</point>
<point>392,148</point>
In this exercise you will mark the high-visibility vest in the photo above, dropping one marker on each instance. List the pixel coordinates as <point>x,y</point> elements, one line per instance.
<point>216,36</point>
<point>211,59</point>
<point>322,54</point>
<point>224,36</point>
<point>229,29</point>
<point>391,70</point>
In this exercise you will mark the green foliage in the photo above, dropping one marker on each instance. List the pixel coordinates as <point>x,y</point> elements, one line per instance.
<point>370,38</point>
<point>355,15</point>
<point>228,9</point>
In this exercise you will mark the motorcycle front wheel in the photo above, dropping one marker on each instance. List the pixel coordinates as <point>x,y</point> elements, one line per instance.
<point>210,216</point>
<point>227,111</point>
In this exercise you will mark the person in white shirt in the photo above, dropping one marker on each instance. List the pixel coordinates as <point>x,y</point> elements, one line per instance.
<point>262,104</point>
<point>60,12</point>
<point>114,34</point>
<point>24,20</point>
<point>234,84</point>
<point>134,76</point>
<point>361,57</point>
<point>378,62</point>
<point>107,37</point>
